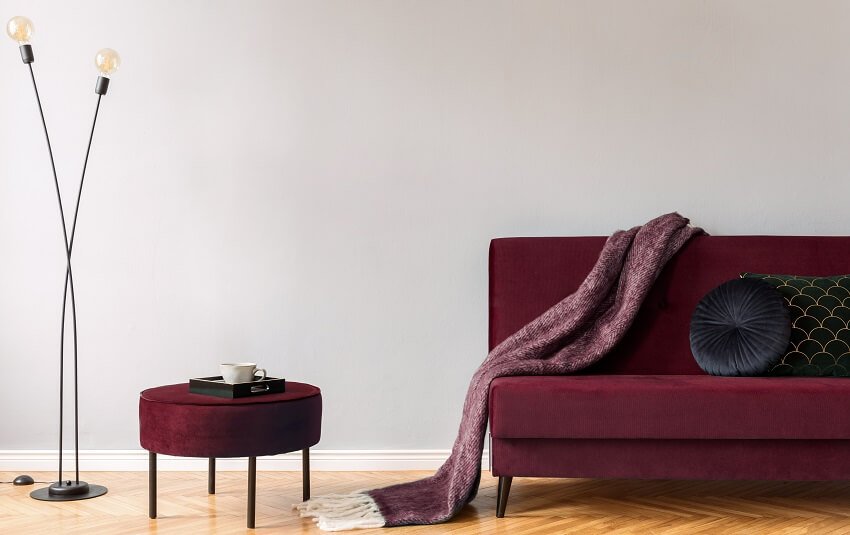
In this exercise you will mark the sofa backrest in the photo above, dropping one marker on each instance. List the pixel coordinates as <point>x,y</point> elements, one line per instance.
<point>528,275</point>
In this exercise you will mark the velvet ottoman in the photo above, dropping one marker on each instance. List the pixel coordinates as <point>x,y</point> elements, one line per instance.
<point>173,421</point>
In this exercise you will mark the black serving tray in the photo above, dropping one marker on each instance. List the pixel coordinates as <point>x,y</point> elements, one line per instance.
<point>215,386</point>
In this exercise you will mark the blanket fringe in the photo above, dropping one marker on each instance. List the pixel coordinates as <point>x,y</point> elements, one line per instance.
<point>339,512</point>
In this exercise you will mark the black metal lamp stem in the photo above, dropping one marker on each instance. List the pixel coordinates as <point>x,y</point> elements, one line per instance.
<point>69,282</point>
<point>69,278</point>
<point>83,177</point>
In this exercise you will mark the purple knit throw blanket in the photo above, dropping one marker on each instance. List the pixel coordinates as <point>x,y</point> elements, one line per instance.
<point>571,335</point>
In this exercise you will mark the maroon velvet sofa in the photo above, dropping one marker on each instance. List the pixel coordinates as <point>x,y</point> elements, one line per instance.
<point>647,410</point>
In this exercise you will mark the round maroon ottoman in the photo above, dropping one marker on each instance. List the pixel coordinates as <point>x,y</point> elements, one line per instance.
<point>173,421</point>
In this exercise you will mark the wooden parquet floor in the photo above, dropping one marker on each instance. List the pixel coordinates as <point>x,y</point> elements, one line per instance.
<point>536,506</point>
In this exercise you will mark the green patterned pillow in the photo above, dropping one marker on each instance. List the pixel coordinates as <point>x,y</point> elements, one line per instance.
<point>820,315</point>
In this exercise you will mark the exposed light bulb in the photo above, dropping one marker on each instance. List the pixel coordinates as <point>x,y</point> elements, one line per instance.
<point>19,29</point>
<point>107,61</point>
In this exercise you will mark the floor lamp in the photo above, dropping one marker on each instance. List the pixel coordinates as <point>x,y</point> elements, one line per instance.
<point>20,29</point>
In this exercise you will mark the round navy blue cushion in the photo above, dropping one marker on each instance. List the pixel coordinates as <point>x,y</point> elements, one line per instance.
<point>742,327</point>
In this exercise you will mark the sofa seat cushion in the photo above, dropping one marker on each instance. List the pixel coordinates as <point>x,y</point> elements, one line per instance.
<point>669,407</point>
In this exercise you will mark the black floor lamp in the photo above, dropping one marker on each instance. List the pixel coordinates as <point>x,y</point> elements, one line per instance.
<point>107,61</point>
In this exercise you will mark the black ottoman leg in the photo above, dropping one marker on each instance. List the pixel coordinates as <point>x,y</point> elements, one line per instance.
<point>211,479</point>
<point>152,484</point>
<point>252,490</point>
<point>504,490</point>
<point>305,474</point>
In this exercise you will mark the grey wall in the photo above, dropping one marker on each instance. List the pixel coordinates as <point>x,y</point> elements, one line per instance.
<point>312,185</point>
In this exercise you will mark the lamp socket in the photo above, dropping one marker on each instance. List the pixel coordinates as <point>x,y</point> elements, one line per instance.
<point>26,54</point>
<point>102,85</point>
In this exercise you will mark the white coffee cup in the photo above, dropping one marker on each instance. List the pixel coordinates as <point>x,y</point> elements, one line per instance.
<point>240,372</point>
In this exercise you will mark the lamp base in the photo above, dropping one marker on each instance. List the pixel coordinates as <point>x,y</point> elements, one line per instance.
<point>66,491</point>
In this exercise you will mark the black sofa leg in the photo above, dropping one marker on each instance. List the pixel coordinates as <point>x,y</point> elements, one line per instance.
<point>211,477</point>
<point>502,499</point>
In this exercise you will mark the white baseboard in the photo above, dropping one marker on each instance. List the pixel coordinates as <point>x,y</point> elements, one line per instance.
<point>137,460</point>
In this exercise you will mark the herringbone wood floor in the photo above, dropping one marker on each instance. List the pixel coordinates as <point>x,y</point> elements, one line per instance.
<point>536,506</point>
